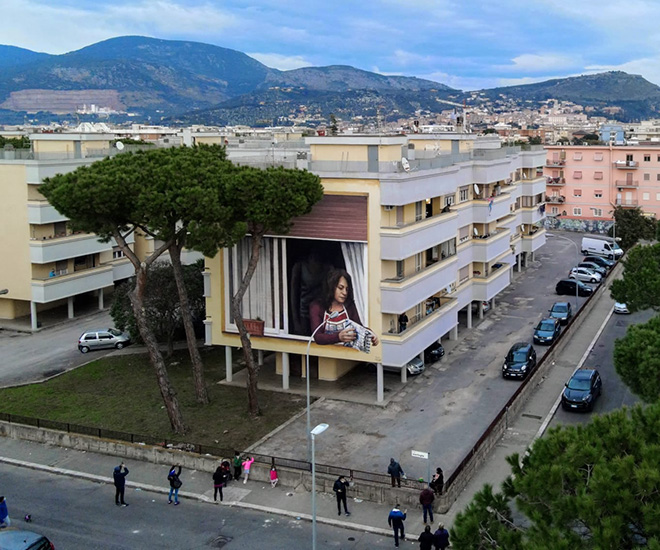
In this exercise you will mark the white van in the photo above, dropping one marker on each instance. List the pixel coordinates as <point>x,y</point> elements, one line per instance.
<point>601,246</point>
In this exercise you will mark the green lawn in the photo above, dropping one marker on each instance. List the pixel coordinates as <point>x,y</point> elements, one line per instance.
<point>120,393</point>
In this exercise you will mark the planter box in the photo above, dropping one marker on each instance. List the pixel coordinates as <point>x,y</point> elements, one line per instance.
<point>254,326</point>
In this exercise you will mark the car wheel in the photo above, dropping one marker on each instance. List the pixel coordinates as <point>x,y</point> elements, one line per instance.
<point>84,349</point>
<point>119,345</point>
<point>593,281</point>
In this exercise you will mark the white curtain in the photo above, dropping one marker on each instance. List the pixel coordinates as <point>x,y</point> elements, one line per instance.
<point>355,259</point>
<point>258,300</point>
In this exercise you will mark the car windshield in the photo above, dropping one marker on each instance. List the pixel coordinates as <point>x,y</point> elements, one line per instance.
<point>560,308</point>
<point>519,356</point>
<point>578,384</point>
<point>545,325</point>
<point>114,332</point>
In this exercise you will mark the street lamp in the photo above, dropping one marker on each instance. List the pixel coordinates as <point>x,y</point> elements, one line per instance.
<point>313,433</point>
<point>577,261</point>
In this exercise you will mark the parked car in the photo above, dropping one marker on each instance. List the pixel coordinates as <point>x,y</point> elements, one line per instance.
<point>594,267</point>
<point>434,352</point>
<point>19,539</point>
<point>621,308</point>
<point>547,331</point>
<point>599,260</point>
<point>567,286</point>
<point>562,311</point>
<point>520,360</point>
<point>582,390</point>
<point>103,339</point>
<point>584,274</point>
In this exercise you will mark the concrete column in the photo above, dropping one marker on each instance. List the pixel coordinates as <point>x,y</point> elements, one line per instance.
<point>492,303</point>
<point>404,374</point>
<point>453,333</point>
<point>285,370</point>
<point>100,298</point>
<point>531,256</point>
<point>469,315</point>
<point>260,357</point>
<point>70,306</point>
<point>421,356</point>
<point>229,372</point>
<point>33,316</point>
<point>380,391</point>
<point>519,262</point>
<point>481,310</point>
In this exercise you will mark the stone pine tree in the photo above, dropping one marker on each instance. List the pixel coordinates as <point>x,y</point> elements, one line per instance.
<point>632,226</point>
<point>639,287</point>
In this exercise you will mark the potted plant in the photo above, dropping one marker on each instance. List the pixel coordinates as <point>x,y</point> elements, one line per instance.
<point>254,326</point>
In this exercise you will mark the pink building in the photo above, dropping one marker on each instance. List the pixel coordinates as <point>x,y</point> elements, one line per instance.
<point>584,183</point>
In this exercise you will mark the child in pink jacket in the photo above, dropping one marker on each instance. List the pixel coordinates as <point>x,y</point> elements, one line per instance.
<point>273,477</point>
<point>246,468</point>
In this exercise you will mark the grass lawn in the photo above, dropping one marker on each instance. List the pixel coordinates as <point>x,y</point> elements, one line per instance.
<point>121,393</point>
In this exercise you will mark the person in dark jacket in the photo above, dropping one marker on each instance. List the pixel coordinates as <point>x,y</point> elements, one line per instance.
<point>175,483</point>
<point>395,471</point>
<point>441,537</point>
<point>238,465</point>
<point>4,514</point>
<point>119,477</point>
<point>395,521</point>
<point>426,539</point>
<point>219,480</point>
<point>438,481</point>
<point>426,498</point>
<point>340,488</point>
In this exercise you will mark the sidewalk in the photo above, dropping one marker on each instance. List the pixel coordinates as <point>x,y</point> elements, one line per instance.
<point>366,516</point>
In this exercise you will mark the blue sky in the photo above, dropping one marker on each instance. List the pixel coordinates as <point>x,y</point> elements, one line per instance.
<point>466,44</point>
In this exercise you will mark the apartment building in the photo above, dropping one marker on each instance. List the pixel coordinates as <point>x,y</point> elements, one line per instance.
<point>45,263</point>
<point>426,225</point>
<point>585,183</point>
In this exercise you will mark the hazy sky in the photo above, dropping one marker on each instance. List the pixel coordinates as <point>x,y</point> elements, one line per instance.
<point>466,44</point>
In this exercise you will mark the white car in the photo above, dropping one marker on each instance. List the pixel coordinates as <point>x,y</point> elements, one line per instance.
<point>621,308</point>
<point>584,274</point>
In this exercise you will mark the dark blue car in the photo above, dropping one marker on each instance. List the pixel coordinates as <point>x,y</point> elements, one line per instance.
<point>582,390</point>
<point>547,331</point>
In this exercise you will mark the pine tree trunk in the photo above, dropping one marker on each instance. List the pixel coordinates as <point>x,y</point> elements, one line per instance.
<point>201,394</point>
<point>166,389</point>
<point>252,367</point>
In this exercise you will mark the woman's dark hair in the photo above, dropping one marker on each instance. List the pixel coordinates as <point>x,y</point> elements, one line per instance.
<point>218,469</point>
<point>331,282</point>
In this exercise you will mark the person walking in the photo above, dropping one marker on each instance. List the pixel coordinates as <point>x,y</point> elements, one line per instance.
<point>119,477</point>
<point>273,477</point>
<point>238,461</point>
<point>247,464</point>
<point>4,514</point>
<point>219,480</point>
<point>395,471</point>
<point>441,537</point>
<point>426,498</point>
<point>395,521</point>
<point>340,488</point>
<point>175,483</point>
<point>426,539</point>
<point>438,481</point>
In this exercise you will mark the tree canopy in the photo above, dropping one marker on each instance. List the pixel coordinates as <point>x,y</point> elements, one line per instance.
<point>590,486</point>
<point>632,226</point>
<point>639,287</point>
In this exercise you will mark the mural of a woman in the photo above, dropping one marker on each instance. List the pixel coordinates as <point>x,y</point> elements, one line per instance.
<point>335,316</point>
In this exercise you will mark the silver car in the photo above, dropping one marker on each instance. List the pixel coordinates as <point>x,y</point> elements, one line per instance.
<point>585,275</point>
<point>103,339</point>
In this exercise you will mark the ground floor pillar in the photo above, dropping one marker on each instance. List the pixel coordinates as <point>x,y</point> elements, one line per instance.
<point>469,315</point>
<point>380,391</point>
<point>453,333</point>
<point>100,298</point>
<point>69,303</point>
<point>229,372</point>
<point>285,371</point>
<point>33,316</point>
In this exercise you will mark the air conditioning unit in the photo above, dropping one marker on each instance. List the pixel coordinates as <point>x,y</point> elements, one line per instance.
<point>388,207</point>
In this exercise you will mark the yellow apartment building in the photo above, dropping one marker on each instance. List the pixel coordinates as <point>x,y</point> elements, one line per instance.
<point>425,225</point>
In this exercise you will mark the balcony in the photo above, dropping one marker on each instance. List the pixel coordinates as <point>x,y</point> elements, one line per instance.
<point>398,244</point>
<point>532,187</point>
<point>555,199</point>
<point>626,183</point>
<point>626,164</point>
<point>488,247</point>
<point>71,284</point>
<point>486,287</point>
<point>626,203</point>
<point>421,332</point>
<point>494,208</point>
<point>532,214</point>
<point>41,212</point>
<point>533,241</point>
<point>555,163</point>
<point>122,269</point>
<point>403,294</point>
<point>63,248</point>
<point>555,181</point>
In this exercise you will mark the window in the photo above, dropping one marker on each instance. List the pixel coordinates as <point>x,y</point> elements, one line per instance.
<point>419,208</point>
<point>554,210</point>
<point>598,194</point>
<point>657,196</point>
<point>647,158</point>
<point>464,234</point>
<point>646,196</point>
<point>449,200</point>
<point>658,158</point>
<point>577,175</point>
<point>577,192</point>
<point>399,270</point>
<point>598,156</point>
<point>463,273</point>
<point>657,177</point>
<point>629,158</point>
<point>598,212</point>
<point>647,177</point>
<point>598,175</point>
<point>117,253</point>
<point>418,261</point>
<point>577,156</point>
<point>464,193</point>
<point>577,211</point>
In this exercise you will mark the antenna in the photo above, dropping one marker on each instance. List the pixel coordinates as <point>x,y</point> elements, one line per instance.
<point>120,146</point>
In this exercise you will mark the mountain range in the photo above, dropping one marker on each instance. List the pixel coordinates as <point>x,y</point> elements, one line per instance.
<point>189,82</point>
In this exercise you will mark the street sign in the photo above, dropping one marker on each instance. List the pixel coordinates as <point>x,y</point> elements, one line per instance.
<point>420,454</point>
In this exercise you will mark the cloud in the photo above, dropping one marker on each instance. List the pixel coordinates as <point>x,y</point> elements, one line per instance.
<point>281,62</point>
<point>528,62</point>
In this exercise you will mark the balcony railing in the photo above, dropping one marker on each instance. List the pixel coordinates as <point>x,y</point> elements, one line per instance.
<point>626,203</point>
<point>626,164</point>
<point>432,307</point>
<point>555,163</point>
<point>627,183</point>
<point>555,199</point>
<point>556,181</point>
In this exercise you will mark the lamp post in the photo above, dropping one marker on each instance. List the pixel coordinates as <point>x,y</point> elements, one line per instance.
<point>313,433</point>
<point>577,261</point>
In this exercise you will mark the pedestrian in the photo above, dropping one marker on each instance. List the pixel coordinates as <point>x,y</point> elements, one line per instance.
<point>219,480</point>
<point>441,537</point>
<point>238,461</point>
<point>273,477</point>
<point>426,539</point>
<point>395,471</point>
<point>426,498</point>
<point>247,463</point>
<point>438,481</point>
<point>4,514</point>
<point>175,483</point>
<point>119,477</point>
<point>226,468</point>
<point>340,488</point>
<point>395,521</point>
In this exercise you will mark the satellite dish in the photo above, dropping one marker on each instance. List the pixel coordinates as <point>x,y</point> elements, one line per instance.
<point>522,227</point>
<point>119,145</point>
<point>476,233</point>
<point>476,188</point>
<point>405,164</point>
